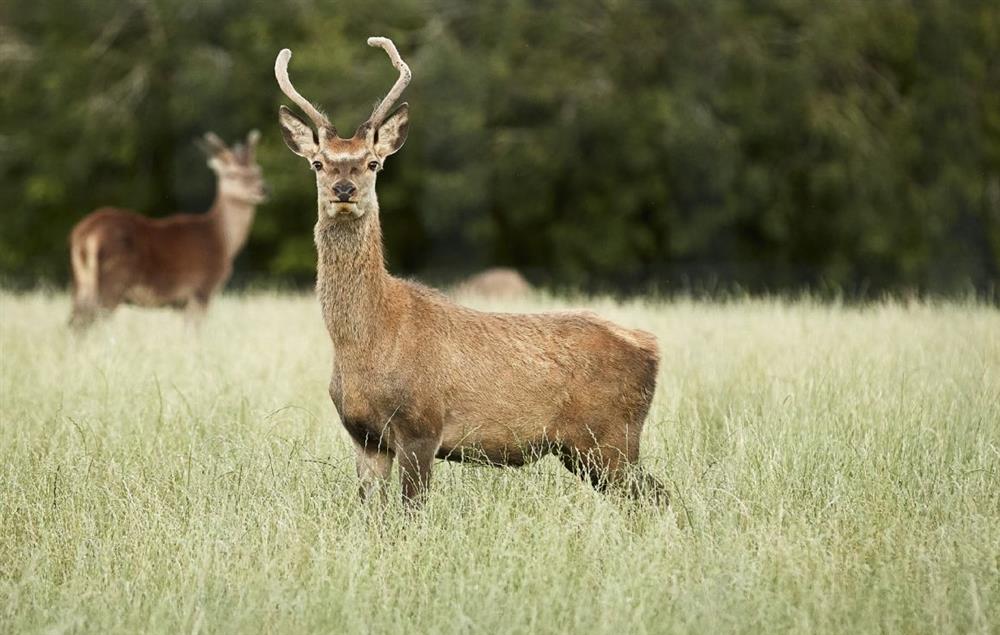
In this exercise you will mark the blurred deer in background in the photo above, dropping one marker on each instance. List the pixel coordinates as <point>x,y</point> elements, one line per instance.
<point>180,260</point>
<point>417,377</point>
<point>495,283</point>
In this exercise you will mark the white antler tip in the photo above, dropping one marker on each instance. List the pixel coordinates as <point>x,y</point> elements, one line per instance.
<point>378,115</point>
<point>283,57</point>
<point>281,74</point>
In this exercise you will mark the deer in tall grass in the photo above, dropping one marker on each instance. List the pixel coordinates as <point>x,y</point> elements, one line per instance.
<point>495,283</point>
<point>417,377</point>
<point>118,256</point>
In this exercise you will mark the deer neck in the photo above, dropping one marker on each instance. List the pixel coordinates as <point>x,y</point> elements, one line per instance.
<point>233,218</point>
<point>352,283</point>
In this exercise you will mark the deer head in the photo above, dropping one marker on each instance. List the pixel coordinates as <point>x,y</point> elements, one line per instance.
<point>236,168</point>
<point>345,169</point>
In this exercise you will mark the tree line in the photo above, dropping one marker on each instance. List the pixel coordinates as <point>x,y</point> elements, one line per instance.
<point>609,144</point>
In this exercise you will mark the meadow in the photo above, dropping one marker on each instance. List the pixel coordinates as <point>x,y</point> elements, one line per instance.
<point>834,469</point>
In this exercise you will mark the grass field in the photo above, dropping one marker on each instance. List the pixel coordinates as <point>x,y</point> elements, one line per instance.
<point>833,469</point>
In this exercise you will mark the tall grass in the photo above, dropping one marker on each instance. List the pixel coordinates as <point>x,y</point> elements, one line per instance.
<point>833,469</point>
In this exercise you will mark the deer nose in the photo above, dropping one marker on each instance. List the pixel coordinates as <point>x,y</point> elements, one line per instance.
<point>343,190</point>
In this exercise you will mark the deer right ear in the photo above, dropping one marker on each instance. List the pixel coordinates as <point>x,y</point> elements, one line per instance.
<point>298,135</point>
<point>211,145</point>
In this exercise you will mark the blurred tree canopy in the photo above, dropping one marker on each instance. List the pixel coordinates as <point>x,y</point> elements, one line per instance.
<point>766,142</point>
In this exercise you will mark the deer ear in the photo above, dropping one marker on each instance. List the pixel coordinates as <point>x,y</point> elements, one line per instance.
<point>298,135</point>
<point>205,148</point>
<point>392,133</point>
<point>211,145</point>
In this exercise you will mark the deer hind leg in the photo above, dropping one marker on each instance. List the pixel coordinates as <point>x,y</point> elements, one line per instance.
<point>611,464</point>
<point>84,259</point>
<point>83,314</point>
<point>374,469</point>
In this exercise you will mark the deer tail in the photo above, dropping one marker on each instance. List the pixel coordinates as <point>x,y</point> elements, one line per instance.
<point>84,257</point>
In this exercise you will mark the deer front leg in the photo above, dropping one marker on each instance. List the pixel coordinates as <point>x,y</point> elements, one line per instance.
<point>416,455</point>
<point>195,309</point>
<point>374,468</point>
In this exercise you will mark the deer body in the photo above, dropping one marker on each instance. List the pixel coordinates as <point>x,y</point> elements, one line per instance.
<point>501,388</point>
<point>496,282</point>
<point>417,377</point>
<point>118,256</point>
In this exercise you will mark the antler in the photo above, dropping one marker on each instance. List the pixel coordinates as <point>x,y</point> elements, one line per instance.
<point>253,137</point>
<point>383,107</point>
<point>281,73</point>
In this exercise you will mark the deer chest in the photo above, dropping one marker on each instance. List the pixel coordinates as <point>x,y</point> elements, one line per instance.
<point>371,407</point>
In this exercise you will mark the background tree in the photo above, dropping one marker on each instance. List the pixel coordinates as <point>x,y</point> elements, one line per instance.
<point>774,143</point>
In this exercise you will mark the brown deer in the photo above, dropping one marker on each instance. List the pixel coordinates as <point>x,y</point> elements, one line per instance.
<point>416,376</point>
<point>118,256</point>
<point>496,283</point>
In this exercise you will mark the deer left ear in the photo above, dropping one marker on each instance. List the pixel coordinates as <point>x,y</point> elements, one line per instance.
<point>392,133</point>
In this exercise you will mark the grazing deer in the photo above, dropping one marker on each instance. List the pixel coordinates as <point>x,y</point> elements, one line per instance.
<point>181,260</point>
<point>498,283</point>
<point>416,376</point>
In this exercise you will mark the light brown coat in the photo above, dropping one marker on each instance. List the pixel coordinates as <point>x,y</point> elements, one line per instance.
<point>418,377</point>
<point>499,283</point>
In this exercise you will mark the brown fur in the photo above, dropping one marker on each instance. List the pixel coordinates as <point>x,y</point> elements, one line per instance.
<point>416,376</point>
<point>495,283</point>
<point>118,256</point>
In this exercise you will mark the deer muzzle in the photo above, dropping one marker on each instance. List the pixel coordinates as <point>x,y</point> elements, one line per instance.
<point>343,191</point>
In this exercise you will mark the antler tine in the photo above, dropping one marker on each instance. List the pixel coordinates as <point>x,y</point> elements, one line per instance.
<point>383,107</point>
<point>281,73</point>
<point>253,137</point>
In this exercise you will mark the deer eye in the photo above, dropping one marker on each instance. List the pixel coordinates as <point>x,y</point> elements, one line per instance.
<point>373,165</point>
<point>317,166</point>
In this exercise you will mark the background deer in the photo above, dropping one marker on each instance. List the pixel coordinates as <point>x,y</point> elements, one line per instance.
<point>181,260</point>
<point>498,283</point>
<point>417,377</point>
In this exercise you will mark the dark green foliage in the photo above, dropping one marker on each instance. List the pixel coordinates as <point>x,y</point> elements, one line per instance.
<point>770,143</point>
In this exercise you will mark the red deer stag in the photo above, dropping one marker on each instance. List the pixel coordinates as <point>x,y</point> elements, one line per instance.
<point>416,376</point>
<point>181,260</point>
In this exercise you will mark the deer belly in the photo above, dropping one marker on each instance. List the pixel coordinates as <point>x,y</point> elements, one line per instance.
<point>141,295</point>
<point>147,296</point>
<point>493,442</point>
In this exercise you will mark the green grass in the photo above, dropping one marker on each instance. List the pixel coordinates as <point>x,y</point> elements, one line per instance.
<point>834,469</point>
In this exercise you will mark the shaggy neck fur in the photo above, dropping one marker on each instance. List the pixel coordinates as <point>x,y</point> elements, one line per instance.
<point>233,217</point>
<point>352,283</point>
